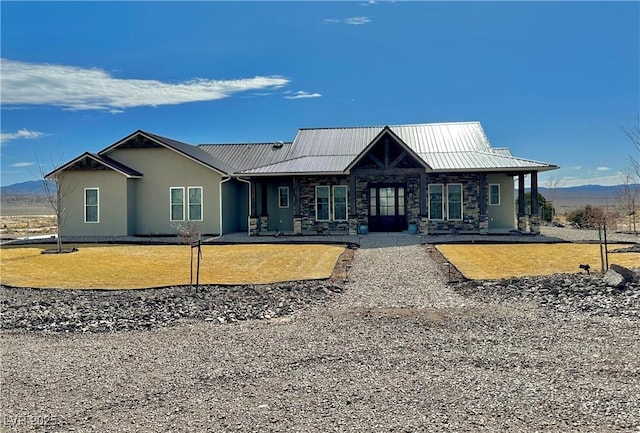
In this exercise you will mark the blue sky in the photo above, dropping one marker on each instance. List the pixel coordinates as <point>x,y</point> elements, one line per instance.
<point>553,81</point>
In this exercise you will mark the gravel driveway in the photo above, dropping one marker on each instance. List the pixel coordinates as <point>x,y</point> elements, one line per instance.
<point>397,351</point>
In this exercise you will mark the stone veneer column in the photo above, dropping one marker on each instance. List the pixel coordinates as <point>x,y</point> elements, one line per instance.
<point>264,223</point>
<point>253,226</point>
<point>297,224</point>
<point>353,224</point>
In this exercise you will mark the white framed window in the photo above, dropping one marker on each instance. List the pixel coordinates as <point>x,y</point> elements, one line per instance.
<point>436,202</point>
<point>195,203</point>
<point>454,201</point>
<point>494,194</point>
<point>91,205</point>
<point>283,196</point>
<point>176,212</point>
<point>340,203</point>
<point>322,203</point>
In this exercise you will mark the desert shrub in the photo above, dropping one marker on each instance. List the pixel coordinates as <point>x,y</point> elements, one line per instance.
<point>587,217</point>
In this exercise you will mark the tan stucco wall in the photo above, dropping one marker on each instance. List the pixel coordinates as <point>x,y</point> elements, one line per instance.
<point>504,215</point>
<point>163,169</point>
<point>112,201</point>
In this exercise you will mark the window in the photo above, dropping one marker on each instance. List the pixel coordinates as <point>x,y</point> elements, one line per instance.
<point>373,202</point>
<point>454,201</point>
<point>494,194</point>
<point>322,203</point>
<point>195,203</point>
<point>436,204</point>
<point>340,203</point>
<point>177,204</point>
<point>91,205</point>
<point>283,196</point>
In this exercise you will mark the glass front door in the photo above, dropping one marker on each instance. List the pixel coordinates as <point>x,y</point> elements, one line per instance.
<point>387,208</point>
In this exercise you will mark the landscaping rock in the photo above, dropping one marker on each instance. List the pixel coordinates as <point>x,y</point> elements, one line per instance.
<point>628,274</point>
<point>611,295</point>
<point>614,279</point>
<point>66,311</point>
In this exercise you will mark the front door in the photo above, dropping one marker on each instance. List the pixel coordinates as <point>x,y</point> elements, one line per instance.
<point>386,208</point>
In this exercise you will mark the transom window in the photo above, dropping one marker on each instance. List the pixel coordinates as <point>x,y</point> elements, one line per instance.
<point>91,205</point>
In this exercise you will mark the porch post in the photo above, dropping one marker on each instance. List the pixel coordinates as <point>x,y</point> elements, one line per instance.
<point>353,212</point>
<point>522,216</point>
<point>264,214</point>
<point>483,217</point>
<point>253,218</point>
<point>297,218</point>
<point>535,205</point>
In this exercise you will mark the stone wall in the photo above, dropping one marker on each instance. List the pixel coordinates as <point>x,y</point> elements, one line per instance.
<point>307,199</point>
<point>472,221</point>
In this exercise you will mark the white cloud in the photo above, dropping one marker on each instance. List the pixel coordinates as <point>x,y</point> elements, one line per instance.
<point>22,164</point>
<point>602,168</point>
<point>20,133</point>
<point>576,167</point>
<point>302,94</point>
<point>354,21</point>
<point>76,88</point>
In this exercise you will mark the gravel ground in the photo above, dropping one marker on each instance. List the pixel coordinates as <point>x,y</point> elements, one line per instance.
<point>399,350</point>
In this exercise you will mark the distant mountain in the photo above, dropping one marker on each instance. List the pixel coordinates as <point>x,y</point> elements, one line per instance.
<point>32,187</point>
<point>577,196</point>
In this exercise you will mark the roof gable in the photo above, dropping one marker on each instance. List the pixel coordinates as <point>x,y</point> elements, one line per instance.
<point>91,161</point>
<point>387,151</point>
<point>144,140</point>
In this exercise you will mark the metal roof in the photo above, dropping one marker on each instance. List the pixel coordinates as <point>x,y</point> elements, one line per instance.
<point>456,146</point>
<point>480,161</point>
<point>246,156</point>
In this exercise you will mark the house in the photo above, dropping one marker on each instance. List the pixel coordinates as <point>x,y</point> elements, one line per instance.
<point>444,177</point>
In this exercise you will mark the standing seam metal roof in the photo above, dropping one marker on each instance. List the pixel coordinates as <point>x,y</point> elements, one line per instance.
<point>443,146</point>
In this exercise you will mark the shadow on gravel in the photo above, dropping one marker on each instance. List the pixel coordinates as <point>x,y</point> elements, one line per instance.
<point>52,310</point>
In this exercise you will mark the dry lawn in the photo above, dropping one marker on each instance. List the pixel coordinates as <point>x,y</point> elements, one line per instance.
<point>517,260</point>
<point>135,266</point>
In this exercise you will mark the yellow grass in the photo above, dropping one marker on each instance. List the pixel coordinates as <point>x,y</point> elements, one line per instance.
<point>516,260</point>
<point>134,266</point>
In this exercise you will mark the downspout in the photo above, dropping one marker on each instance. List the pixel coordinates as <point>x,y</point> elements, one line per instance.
<point>249,197</point>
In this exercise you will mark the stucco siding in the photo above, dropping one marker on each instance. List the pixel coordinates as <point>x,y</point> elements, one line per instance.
<point>235,206</point>
<point>163,169</point>
<point>503,215</point>
<point>112,203</point>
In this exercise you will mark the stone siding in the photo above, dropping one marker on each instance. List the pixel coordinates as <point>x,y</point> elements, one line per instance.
<point>471,221</point>
<point>308,204</point>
